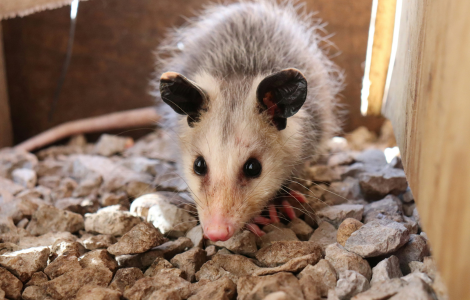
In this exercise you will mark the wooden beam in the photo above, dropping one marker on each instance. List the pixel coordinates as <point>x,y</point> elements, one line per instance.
<point>21,8</point>
<point>6,135</point>
<point>429,107</point>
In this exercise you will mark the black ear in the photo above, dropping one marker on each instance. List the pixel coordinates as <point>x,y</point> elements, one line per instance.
<point>182,95</point>
<point>282,94</point>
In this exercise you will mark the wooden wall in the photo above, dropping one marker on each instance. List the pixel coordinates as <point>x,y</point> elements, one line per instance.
<point>112,59</point>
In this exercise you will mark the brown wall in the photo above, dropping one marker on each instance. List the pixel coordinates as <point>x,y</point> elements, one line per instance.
<point>112,57</point>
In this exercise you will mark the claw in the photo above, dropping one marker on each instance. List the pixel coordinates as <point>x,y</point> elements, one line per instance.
<point>288,209</point>
<point>261,220</point>
<point>273,214</point>
<point>255,229</point>
<point>298,196</point>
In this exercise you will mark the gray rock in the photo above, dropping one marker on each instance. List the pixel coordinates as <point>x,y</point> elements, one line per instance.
<point>384,290</point>
<point>25,177</point>
<point>322,274</point>
<point>342,191</point>
<point>108,144</point>
<point>371,157</point>
<point>98,258</point>
<point>384,182</point>
<point>196,235</point>
<point>156,145</point>
<point>385,270</point>
<point>11,158</point>
<point>115,223</point>
<point>388,208</point>
<point>343,260</point>
<point>350,283</point>
<point>324,235</point>
<point>414,250</point>
<point>48,218</point>
<point>24,263</point>
<point>243,242</point>
<point>408,196</point>
<point>416,289</point>
<point>232,266</point>
<point>301,229</point>
<point>258,287</point>
<point>379,237</point>
<point>417,275</point>
<point>139,239</point>
<point>277,235</point>
<point>281,252</point>
<point>11,285</point>
<point>336,214</point>
<point>125,279</point>
<point>341,158</point>
<point>190,262</point>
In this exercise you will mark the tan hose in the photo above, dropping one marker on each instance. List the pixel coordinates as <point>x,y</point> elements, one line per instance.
<point>119,120</point>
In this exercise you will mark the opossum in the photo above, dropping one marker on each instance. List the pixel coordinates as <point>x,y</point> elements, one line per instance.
<point>252,97</point>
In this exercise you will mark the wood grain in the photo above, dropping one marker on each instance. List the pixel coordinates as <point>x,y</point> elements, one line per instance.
<point>429,104</point>
<point>6,138</point>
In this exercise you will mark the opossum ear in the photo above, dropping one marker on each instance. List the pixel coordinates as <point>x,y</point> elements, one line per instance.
<point>182,95</point>
<point>282,94</point>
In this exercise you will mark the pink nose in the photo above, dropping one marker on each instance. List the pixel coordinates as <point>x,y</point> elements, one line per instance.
<point>218,231</point>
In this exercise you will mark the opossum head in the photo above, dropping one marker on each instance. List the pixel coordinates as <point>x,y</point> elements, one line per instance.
<point>239,141</point>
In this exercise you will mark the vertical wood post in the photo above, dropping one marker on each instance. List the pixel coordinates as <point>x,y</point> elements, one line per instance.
<point>6,134</point>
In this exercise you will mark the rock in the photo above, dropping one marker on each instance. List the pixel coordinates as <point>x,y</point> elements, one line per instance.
<point>384,290</point>
<point>11,158</point>
<point>152,287</point>
<point>62,265</point>
<point>51,182</point>
<point>417,275</point>
<point>273,226</point>
<point>374,157</point>
<point>98,258</point>
<point>115,223</point>
<point>340,158</point>
<point>37,279</point>
<point>7,225</point>
<point>294,265</point>
<point>47,239</point>
<point>139,239</point>
<point>67,285</point>
<point>322,173</point>
<point>10,285</point>
<point>108,199</point>
<point>190,262</point>
<point>322,275</point>
<point>157,145</point>
<point>385,270</point>
<point>281,234</point>
<point>8,247</point>
<point>50,167</point>
<point>88,186</point>
<point>10,186</point>
<point>35,293</point>
<point>360,138</point>
<point>125,279</point>
<point>281,252</point>
<point>102,241</point>
<point>414,250</point>
<point>408,209</point>
<point>221,289</point>
<point>408,196</point>
<point>379,237</point>
<point>196,235</point>
<point>324,235</point>
<point>350,283</point>
<point>64,190</point>
<point>384,182</point>
<point>22,224</point>
<point>48,218</point>
<point>343,260</point>
<point>346,228</point>
<point>108,144</point>
<point>254,287</point>
<point>16,209</point>
<point>158,264</point>
<point>90,292</point>
<point>387,208</point>
<point>301,229</point>
<point>416,289</point>
<point>309,287</point>
<point>24,263</point>
<point>243,242</point>
<point>25,177</point>
<point>66,247</point>
<point>342,191</point>
<point>170,219</point>
<point>232,266</point>
<point>338,213</point>
<point>170,249</point>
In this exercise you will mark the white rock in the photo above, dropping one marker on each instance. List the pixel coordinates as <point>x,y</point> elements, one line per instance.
<point>350,283</point>
<point>25,177</point>
<point>108,144</point>
<point>416,289</point>
<point>387,269</point>
<point>24,263</point>
<point>196,235</point>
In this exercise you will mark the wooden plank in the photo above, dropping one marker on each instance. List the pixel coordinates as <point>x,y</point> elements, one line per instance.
<point>21,8</point>
<point>428,105</point>
<point>6,138</point>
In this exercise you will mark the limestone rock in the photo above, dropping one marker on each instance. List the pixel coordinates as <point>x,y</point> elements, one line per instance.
<point>346,228</point>
<point>25,177</point>
<point>384,182</point>
<point>379,237</point>
<point>324,235</point>
<point>108,144</point>
<point>388,208</point>
<point>101,241</point>
<point>387,269</point>
<point>190,262</point>
<point>62,265</point>
<point>258,287</point>
<point>24,263</point>
<point>139,239</point>
<point>384,290</point>
<point>10,186</point>
<point>90,292</point>
<point>301,229</point>
<point>48,218</point>
<point>11,158</point>
<point>98,258</point>
<point>350,283</point>
<point>276,235</point>
<point>414,250</point>
<point>416,289</point>
<point>281,252</point>
<point>125,279</point>
<point>342,191</point>
<point>323,173</point>
<point>343,260</point>
<point>336,214</point>
<point>221,289</point>
<point>47,239</point>
<point>35,293</point>
<point>243,242</point>
<point>158,264</point>
<point>322,274</point>
<point>294,265</point>
<point>11,285</point>
<point>196,235</point>
<point>115,223</point>
<point>233,266</point>
<point>37,279</point>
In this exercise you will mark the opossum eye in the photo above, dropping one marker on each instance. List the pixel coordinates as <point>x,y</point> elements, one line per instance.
<point>281,95</point>
<point>252,168</point>
<point>200,167</point>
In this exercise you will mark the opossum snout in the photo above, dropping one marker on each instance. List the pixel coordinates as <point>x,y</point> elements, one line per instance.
<point>218,228</point>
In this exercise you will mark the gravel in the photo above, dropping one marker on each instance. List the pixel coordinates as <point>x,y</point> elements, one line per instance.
<point>85,221</point>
